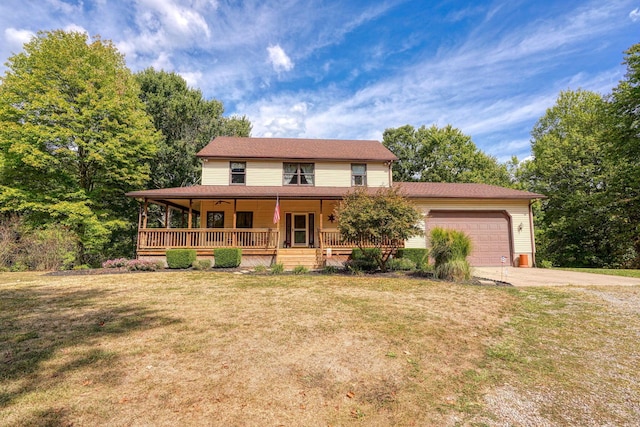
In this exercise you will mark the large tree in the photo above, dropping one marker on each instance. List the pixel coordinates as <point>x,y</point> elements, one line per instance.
<point>436,154</point>
<point>625,108</point>
<point>571,167</point>
<point>74,137</point>
<point>187,122</point>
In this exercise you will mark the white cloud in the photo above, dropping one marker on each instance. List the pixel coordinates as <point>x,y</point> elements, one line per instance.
<point>76,29</point>
<point>279,59</point>
<point>15,38</point>
<point>635,14</point>
<point>176,19</point>
<point>192,78</point>
<point>64,6</point>
<point>286,118</point>
<point>162,62</point>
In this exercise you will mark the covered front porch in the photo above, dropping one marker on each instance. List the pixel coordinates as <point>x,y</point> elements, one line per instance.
<point>305,227</point>
<point>257,240</point>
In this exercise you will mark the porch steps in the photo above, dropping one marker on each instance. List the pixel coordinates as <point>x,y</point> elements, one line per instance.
<point>293,257</point>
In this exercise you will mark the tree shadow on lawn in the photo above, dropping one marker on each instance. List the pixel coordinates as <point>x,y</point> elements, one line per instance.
<point>40,323</point>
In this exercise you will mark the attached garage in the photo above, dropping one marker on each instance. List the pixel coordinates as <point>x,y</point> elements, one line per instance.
<point>489,232</point>
<point>499,220</point>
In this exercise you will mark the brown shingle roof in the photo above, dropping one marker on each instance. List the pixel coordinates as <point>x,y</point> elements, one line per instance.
<point>413,190</point>
<point>433,190</point>
<point>244,192</point>
<point>231,147</point>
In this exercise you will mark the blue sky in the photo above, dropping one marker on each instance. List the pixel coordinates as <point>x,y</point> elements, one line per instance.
<point>351,69</point>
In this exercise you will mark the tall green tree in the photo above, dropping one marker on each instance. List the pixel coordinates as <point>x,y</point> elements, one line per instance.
<point>74,137</point>
<point>436,154</point>
<point>625,108</point>
<point>187,122</point>
<point>571,167</point>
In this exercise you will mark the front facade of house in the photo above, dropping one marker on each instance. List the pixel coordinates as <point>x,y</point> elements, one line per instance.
<point>243,179</point>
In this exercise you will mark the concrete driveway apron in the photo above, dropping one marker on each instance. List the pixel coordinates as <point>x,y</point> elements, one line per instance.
<point>549,277</point>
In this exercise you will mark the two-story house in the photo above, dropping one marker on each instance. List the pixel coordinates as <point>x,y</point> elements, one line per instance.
<point>275,198</point>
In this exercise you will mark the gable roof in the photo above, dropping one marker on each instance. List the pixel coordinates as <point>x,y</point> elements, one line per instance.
<point>233,147</point>
<point>446,190</point>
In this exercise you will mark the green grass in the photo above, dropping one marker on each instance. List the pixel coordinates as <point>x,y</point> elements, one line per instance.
<point>606,271</point>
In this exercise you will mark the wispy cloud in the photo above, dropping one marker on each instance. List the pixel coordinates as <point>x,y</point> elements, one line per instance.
<point>279,59</point>
<point>474,87</point>
<point>352,69</point>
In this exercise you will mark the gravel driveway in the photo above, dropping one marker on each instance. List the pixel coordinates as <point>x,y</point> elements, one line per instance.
<point>550,277</point>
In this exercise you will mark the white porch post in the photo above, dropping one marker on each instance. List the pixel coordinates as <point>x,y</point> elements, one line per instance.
<point>321,226</point>
<point>235,217</point>
<point>145,213</point>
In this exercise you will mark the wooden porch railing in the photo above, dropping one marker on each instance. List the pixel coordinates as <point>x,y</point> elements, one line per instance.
<point>163,238</point>
<point>332,239</point>
<point>249,238</point>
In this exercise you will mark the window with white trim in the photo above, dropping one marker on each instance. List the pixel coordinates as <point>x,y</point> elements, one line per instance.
<point>358,175</point>
<point>298,174</point>
<point>238,172</point>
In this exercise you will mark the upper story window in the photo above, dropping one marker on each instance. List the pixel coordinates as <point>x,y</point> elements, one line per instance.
<point>358,174</point>
<point>299,174</point>
<point>238,173</point>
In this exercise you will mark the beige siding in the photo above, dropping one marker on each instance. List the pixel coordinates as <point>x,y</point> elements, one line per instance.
<point>377,175</point>
<point>269,173</point>
<point>264,173</point>
<point>333,174</point>
<point>215,172</point>
<point>518,210</point>
<point>416,241</point>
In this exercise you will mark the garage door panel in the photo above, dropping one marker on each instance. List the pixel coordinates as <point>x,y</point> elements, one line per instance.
<point>489,233</point>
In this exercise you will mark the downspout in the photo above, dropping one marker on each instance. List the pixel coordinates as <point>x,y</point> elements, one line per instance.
<point>532,234</point>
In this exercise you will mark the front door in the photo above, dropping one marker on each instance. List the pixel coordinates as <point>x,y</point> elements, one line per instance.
<point>299,230</point>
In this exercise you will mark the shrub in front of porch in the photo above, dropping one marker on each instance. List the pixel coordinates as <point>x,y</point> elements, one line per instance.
<point>180,258</point>
<point>227,257</point>
<point>420,256</point>
<point>364,259</point>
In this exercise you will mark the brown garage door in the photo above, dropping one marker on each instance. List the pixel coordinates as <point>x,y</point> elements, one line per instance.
<point>489,232</point>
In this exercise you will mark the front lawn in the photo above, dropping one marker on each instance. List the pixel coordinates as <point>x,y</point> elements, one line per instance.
<point>209,348</point>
